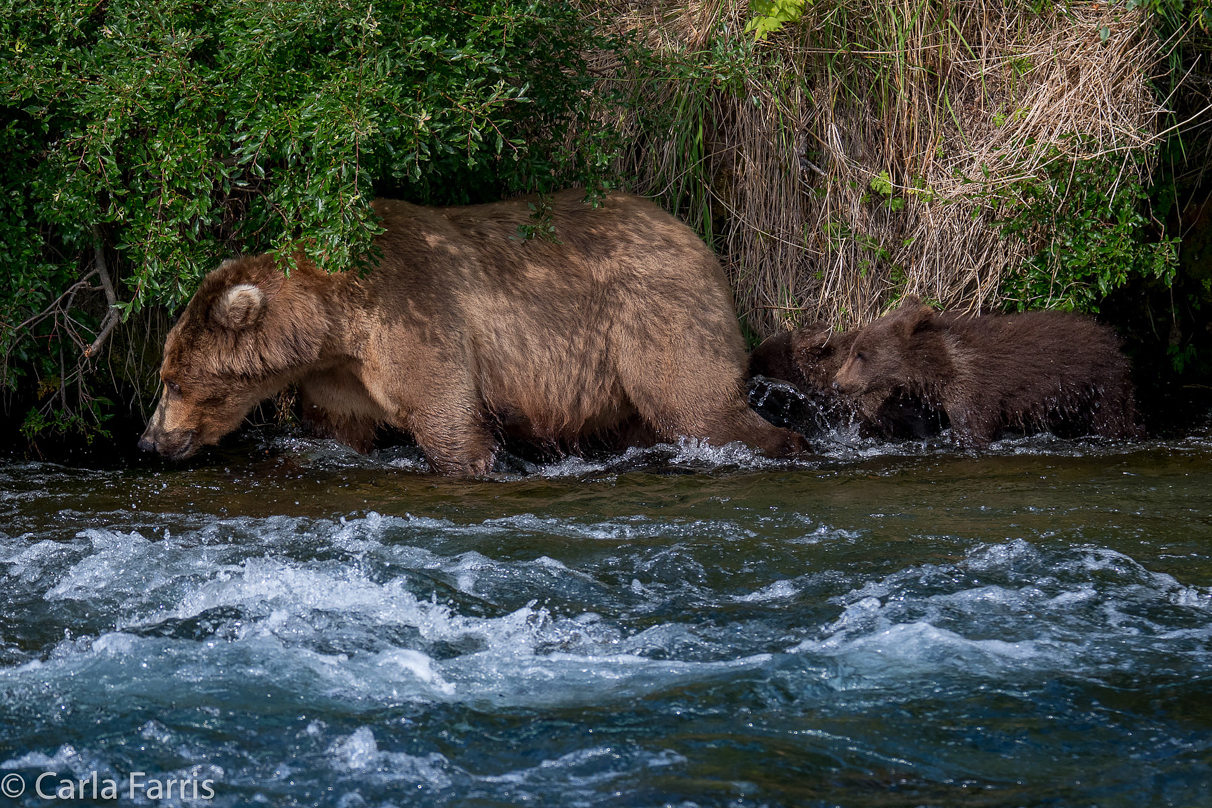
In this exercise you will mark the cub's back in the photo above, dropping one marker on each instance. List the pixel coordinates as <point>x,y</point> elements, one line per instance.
<point>1039,342</point>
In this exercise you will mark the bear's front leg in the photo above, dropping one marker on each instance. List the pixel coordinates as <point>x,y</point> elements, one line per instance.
<point>871,404</point>
<point>970,427</point>
<point>455,439</point>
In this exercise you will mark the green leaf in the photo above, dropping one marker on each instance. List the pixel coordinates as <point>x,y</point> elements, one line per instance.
<point>881,183</point>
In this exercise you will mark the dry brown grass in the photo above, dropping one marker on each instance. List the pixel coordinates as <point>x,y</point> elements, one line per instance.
<point>951,102</point>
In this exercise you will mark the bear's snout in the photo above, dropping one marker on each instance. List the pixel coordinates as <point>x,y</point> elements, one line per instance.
<point>146,444</point>
<point>170,433</point>
<point>845,382</point>
<point>172,445</point>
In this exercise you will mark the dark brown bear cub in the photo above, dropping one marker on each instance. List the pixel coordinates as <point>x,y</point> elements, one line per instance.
<point>810,357</point>
<point>1034,371</point>
<point>623,324</point>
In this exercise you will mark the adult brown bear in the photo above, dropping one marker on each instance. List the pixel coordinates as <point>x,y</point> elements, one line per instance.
<point>1036,370</point>
<point>464,330</point>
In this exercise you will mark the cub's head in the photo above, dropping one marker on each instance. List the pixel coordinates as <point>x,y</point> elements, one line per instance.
<point>884,355</point>
<point>248,332</point>
<point>772,358</point>
<point>818,352</point>
<point>806,357</point>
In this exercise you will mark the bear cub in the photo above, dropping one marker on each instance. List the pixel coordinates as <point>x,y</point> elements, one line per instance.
<point>810,357</point>
<point>1039,370</point>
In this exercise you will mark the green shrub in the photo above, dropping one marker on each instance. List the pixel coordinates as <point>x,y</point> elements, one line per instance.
<point>165,136</point>
<point>1096,238</point>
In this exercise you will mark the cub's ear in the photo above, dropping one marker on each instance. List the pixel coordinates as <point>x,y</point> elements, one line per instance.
<point>813,341</point>
<point>239,306</point>
<point>913,315</point>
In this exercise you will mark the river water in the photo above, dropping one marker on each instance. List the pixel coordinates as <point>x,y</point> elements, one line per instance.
<point>288,623</point>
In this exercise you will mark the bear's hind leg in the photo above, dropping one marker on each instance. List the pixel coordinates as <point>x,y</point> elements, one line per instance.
<point>1112,411</point>
<point>455,439</point>
<point>737,422</point>
<point>686,378</point>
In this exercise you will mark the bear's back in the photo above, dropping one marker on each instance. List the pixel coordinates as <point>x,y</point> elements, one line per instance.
<point>552,326</point>
<point>1037,345</point>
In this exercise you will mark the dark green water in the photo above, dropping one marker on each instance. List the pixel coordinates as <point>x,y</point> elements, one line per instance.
<point>886,626</point>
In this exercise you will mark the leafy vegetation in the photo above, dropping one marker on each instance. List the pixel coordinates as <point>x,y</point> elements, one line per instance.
<point>1092,235</point>
<point>770,15</point>
<point>144,142</point>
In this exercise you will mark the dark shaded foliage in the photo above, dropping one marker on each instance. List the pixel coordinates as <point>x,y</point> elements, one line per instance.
<point>145,142</point>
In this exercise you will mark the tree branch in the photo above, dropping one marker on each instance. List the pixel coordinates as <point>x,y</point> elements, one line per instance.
<point>112,315</point>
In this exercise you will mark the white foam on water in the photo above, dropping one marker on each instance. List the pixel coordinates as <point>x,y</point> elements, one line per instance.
<point>692,450</point>
<point>280,613</point>
<point>590,766</point>
<point>846,444</point>
<point>366,534</point>
<point>337,629</point>
<point>155,731</point>
<point>779,590</point>
<point>115,644</point>
<point>1082,611</point>
<point>568,680</point>
<point>826,534</point>
<point>66,760</point>
<point>416,663</point>
<point>921,649</point>
<point>115,557</point>
<point>359,754</point>
<point>510,672</point>
<point>610,530</point>
<point>685,454</point>
<point>417,465</point>
<point>28,561</point>
<point>572,466</point>
<point>290,592</point>
<point>1192,597</point>
<point>842,443</point>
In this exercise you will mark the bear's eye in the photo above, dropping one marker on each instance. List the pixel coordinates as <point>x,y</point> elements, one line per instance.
<point>173,387</point>
<point>859,356</point>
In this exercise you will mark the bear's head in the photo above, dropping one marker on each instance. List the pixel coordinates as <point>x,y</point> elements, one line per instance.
<point>247,332</point>
<point>808,356</point>
<point>818,352</point>
<point>885,354</point>
<point>772,358</point>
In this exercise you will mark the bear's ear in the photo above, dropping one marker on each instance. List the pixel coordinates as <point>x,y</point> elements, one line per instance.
<point>913,315</point>
<point>239,306</point>
<point>813,341</point>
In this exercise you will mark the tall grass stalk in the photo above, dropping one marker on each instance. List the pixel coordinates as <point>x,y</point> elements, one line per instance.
<point>871,149</point>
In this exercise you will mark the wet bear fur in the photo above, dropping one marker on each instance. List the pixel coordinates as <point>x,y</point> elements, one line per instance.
<point>1041,370</point>
<point>810,357</point>
<point>622,327</point>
